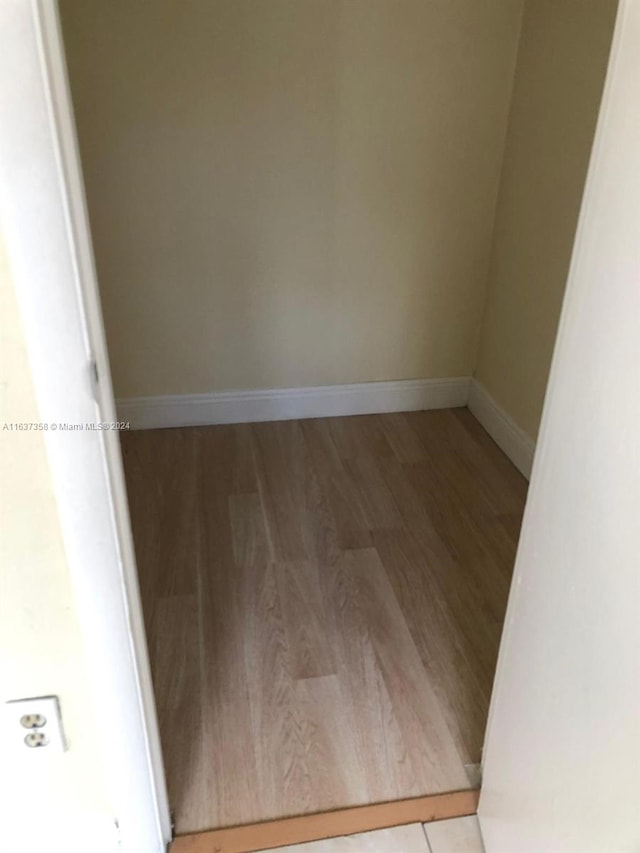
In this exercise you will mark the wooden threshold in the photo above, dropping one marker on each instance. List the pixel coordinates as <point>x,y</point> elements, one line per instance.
<point>313,827</point>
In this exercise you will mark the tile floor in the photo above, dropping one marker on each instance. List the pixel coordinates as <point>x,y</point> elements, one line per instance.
<point>460,835</point>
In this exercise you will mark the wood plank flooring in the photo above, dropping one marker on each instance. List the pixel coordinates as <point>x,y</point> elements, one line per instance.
<point>323,602</point>
<point>308,828</point>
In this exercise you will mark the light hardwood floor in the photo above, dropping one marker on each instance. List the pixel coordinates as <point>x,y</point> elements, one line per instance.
<point>323,601</point>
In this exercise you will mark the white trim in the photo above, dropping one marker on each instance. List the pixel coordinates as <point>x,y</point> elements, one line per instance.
<point>49,246</point>
<point>275,404</point>
<point>506,433</point>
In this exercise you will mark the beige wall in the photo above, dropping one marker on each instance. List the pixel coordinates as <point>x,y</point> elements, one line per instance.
<point>559,78</point>
<point>40,644</point>
<point>290,192</point>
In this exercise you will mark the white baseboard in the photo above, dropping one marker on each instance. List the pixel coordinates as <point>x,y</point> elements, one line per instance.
<point>513,440</point>
<point>365,398</point>
<point>230,407</point>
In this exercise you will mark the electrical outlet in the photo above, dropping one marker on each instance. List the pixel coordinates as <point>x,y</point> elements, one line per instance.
<point>34,725</point>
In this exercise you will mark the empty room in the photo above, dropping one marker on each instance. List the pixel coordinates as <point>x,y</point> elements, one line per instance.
<point>331,239</point>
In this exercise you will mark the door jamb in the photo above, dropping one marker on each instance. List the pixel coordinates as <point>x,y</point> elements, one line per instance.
<point>48,241</point>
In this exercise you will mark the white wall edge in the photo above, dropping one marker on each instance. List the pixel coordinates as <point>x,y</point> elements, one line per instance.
<point>49,247</point>
<point>510,438</point>
<point>568,668</point>
<point>228,407</point>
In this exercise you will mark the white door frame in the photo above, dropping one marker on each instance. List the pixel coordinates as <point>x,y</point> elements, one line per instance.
<point>44,218</point>
<point>49,245</point>
<point>562,747</point>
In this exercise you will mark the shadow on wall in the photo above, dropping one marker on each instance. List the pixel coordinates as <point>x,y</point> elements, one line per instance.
<point>562,63</point>
<point>288,194</point>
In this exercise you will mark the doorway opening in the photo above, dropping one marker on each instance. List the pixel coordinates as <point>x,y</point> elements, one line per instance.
<point>335,199</point>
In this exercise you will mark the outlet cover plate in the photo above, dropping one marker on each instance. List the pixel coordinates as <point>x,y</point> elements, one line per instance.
<point>35,721</point>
